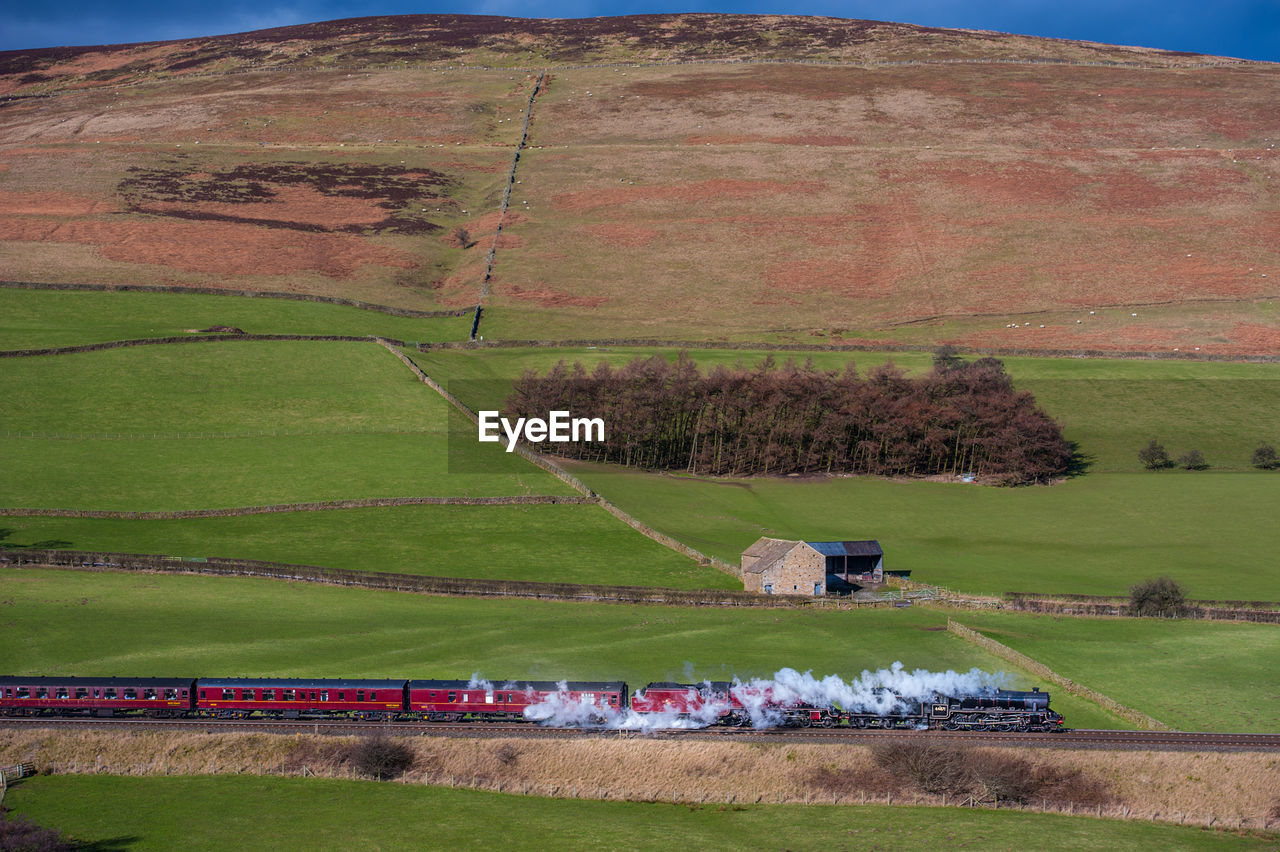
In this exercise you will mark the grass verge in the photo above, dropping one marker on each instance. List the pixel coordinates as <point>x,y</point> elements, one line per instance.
<point>269,813</point>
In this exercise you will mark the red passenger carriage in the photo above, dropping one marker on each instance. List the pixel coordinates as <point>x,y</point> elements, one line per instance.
<point>95,696</point>
<point>460,700</point>
<point>292,698</point>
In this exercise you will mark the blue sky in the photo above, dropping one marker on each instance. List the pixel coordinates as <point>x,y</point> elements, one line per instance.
<point>1243,28</point>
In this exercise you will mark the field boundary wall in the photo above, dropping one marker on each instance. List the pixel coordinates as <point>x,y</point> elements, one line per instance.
<point>762,346</point>
<point>1036,667</point>
<point>568,478</point>
<point>492,256</point>
<point>283,508</point>
<point>161,341</point>
<point>1264,612</point>
<point>414,583</point>
<point>250,294</point>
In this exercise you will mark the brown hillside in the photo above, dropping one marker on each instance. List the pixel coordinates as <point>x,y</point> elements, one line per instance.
<point>836,181</point>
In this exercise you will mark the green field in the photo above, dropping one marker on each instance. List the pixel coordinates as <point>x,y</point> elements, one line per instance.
<point>540,543</point>
<point>236,424</point>
<point>213,626</point>
<point>1098,534</point>
<point>1110,408</point>
<point>194,813</point>
<point>39,319</point>
<point>1184,673</point>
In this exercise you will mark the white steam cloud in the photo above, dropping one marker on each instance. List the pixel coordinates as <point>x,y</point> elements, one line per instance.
<point>884,692</point>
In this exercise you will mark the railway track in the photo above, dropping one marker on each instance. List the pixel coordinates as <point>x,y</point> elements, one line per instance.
<point>1075,739</point>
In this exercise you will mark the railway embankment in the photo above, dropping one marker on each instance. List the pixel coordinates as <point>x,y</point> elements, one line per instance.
<point>1218,789</point>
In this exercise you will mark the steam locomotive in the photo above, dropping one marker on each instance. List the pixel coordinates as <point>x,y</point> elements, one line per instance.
<point>559,703</point>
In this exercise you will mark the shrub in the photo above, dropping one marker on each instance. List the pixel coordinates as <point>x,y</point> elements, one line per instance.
<point>988,775</point>
<point>1154,457</point>
<point>1264,458</point>
<point>1193,460</point>
<point>381,757</point>
<point>927,766</point>
<point>1160,597</point>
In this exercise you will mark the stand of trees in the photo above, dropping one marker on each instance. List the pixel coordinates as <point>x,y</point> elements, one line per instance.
<point>960,417</point>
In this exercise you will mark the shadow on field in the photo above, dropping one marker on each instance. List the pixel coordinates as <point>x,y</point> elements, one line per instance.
<point>1079,463</point>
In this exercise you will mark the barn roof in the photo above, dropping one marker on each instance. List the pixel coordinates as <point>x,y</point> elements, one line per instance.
<point>770,550</point>
<point>870,547</point>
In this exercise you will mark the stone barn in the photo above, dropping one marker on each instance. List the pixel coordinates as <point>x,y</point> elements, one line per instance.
<point>774,566</point>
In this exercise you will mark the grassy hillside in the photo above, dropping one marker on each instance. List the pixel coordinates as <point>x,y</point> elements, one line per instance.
<point>538,543</point>
<point>215,626</point>
<point>1171,669</point>
<point>911,184</point>
<point>1110,408</point>
<point>39,319</point>
<point>235,424</point>
<point>265,813</point>
<point>1095,535</point>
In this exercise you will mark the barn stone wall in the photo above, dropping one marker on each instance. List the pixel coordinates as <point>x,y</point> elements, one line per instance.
<point>796,573</point>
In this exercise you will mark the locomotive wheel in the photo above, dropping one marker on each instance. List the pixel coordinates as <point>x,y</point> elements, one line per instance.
<point>828,722</point>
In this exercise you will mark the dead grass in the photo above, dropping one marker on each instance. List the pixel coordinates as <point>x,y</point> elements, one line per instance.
<point>1178,786</point>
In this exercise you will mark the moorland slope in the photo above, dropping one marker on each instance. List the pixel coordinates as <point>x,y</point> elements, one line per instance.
<point>680,177</point>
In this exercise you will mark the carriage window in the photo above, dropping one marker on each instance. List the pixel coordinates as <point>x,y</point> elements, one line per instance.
<point>42,692</point>
<point>62,693</point>
<point>130,694</point>
<point>170,693</point>
<point>341,696</point>
<point>268,694</point>
<point>228,694</point>
<point>324,695</point>
<point>286,694</point>
<point>373,696</point>
<point>148,694</point>
<point>453,696</point>
<point>246,695</point>
<point>24,692</point>
<point>313,696</point>
<point>111,693</point>
<point>82,692</point>
<point>359,695</point>
<point>613,699</point>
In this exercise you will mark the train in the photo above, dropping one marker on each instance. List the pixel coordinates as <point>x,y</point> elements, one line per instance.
<point>561,703</point>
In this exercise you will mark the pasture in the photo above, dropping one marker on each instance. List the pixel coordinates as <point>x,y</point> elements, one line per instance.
<point>1185,673</point>
<point>214,626</point>
<point>200,812</point>
<point>236,424</point>
<point>536,543</point>
<point>1097,533</point>
<point>39,319</point>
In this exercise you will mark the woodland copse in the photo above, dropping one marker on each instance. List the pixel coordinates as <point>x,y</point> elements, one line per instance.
<point>958,418</point>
